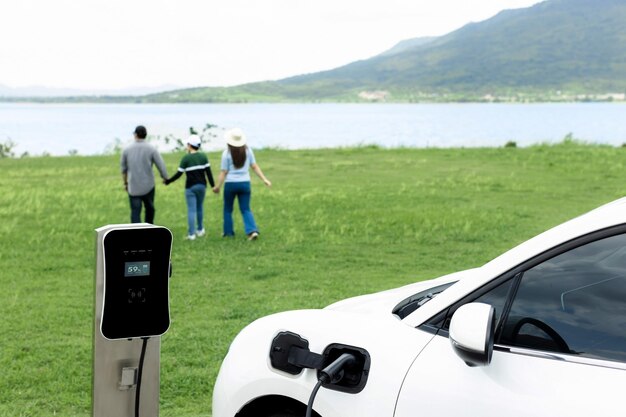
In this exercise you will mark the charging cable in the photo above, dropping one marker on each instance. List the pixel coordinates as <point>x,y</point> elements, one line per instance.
<point>332,374</point>
<point>139,372</point>
<point>309,407</point>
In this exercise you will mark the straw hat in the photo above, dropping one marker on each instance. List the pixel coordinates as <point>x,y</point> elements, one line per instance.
<point>235,137</point>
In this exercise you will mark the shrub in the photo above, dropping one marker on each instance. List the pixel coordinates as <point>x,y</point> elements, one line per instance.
<point>6,149</point>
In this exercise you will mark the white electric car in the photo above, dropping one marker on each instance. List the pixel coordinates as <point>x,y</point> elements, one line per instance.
<point>538,331</point>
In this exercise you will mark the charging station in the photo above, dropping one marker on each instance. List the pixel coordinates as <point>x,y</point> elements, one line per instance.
<point>131,313</point>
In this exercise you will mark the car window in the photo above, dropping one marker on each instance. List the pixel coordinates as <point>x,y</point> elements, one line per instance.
<point>496,297</point>
<point>574,303</point>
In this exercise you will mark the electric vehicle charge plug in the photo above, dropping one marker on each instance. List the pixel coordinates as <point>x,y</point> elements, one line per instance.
<point>290,353</point>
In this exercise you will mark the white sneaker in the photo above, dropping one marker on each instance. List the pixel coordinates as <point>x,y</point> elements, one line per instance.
<point>253,236</point>
<point>200,233</point>
<point>191,237</point>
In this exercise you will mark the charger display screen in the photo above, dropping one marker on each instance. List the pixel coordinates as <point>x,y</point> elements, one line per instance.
<point>136,269</point>
<point>136,282</point>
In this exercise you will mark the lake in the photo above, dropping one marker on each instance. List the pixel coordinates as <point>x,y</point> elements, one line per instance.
<point>88,129</point>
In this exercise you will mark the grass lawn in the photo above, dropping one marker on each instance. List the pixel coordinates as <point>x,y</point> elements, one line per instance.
<point>337,223</point>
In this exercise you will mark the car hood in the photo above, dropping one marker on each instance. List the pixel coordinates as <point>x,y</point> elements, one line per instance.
<point>384,302</point>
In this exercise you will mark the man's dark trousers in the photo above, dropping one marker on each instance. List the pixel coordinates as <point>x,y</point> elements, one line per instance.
<point>135,207</point>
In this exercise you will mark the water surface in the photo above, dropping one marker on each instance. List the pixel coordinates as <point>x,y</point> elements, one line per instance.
<point>59,129</point>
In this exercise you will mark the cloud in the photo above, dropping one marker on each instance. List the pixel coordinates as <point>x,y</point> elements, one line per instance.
<point>119,43</point>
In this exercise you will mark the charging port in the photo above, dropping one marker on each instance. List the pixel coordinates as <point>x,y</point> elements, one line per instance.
<point>355,372</point>
<point>290,353</point>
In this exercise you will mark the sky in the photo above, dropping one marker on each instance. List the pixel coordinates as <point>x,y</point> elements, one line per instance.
<point>119,44</point>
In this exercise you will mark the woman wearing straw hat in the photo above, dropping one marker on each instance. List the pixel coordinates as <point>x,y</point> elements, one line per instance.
<point>235,175</point>
<point>196,165</point>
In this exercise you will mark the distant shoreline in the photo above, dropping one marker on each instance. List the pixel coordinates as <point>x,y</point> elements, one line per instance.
<point>362,97</point>
<point>139,101</point>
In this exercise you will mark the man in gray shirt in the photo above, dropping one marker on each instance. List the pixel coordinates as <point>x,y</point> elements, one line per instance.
<point>136,164</point>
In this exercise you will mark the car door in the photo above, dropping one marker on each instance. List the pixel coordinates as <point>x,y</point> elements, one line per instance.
<point>560,343</point>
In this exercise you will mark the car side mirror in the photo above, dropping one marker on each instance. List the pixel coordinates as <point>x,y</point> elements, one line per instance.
<point>472,332</point>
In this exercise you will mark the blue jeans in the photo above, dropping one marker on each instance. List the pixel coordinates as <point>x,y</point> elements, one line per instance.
<point>242,191</point>
<point>135,207</point>
<point>195,203</point>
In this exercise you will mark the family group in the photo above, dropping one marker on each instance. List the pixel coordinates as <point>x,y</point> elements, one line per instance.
<point>138,159</point>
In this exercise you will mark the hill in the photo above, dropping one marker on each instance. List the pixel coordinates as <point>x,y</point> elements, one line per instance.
<point>565,48</point>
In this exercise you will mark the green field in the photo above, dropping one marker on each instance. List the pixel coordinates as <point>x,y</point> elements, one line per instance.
<point>337,223</point>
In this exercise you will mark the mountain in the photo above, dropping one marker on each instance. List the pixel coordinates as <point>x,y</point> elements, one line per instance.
<point>569,46</point>
<point>408,44</point>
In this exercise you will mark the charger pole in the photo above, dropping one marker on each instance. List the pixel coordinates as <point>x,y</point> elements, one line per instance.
<point>116,362</point>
